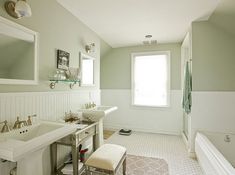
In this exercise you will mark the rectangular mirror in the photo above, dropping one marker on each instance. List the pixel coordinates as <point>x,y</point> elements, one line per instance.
<point>18,54</point>
<point>87,70</point>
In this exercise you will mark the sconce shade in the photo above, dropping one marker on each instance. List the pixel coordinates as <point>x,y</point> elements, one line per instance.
<point>23,9</point>
<point>90,48</point>
<point>18,9</point>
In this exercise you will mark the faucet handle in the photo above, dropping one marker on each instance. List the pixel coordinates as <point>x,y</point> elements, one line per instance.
<point>5,127</point>
<point>29,121</point>
<point>17,123</point>
<point>93,104</point>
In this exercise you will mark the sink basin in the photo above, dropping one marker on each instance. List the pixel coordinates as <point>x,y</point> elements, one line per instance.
<point>98,112</point>
<point>26,145</point>
<point>85,122</point>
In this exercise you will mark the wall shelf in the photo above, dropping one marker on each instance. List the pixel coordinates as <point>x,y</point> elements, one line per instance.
<point>70,82</point>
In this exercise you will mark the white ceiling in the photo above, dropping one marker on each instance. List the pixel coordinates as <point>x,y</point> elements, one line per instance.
<point>125,22</point>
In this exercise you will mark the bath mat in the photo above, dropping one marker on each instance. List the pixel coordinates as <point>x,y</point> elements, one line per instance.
<point>108,133</point>
<point>139,165</point>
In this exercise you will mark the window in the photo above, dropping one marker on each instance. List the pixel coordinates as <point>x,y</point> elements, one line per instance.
<point>151,79</point>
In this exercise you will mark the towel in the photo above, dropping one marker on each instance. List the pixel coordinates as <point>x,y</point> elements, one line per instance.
<point>187,89</point>
<point>68,169</point>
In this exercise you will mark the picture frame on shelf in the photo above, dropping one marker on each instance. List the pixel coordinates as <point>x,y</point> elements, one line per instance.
<point>63,59</point>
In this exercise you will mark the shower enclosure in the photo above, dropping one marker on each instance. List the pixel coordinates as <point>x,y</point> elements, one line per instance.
<point>185,57</point>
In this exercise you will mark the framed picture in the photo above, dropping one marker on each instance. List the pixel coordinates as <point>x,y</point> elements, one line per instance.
<point>62,60</point>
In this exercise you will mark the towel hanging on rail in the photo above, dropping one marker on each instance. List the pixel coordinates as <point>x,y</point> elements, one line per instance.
<point>187,90</point>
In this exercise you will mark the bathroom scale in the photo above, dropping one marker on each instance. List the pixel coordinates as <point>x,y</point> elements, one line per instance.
<point>125,132</point>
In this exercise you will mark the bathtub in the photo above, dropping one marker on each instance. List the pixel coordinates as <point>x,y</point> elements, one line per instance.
<point>216,153</point>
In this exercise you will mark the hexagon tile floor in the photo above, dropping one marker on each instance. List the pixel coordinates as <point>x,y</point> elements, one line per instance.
<point>167,147</point>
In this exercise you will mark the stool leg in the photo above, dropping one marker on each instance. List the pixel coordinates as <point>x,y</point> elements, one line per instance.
<point>124,166</point>
<point>88,172</point>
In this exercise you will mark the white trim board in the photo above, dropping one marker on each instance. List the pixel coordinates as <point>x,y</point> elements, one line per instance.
<point>117,127</point>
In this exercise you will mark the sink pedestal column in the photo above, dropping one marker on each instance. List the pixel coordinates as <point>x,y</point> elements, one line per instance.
<point>100,138</point>
<point>31,164</point>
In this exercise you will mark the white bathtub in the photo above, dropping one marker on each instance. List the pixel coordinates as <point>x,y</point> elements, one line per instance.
<point>215,154</point>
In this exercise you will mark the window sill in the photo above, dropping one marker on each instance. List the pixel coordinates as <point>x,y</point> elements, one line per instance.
<point>149,107</point>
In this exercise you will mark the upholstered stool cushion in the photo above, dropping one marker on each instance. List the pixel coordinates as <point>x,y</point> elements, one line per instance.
<point>106,157</point>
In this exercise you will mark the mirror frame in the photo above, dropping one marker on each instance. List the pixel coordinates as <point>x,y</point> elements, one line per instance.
<point>83,56</point>
<point>24,33</point>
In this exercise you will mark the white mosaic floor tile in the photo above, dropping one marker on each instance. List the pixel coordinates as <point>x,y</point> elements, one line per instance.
<point>167,147</point>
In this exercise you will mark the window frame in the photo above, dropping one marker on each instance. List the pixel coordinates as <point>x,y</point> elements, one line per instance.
<point>135,54</point>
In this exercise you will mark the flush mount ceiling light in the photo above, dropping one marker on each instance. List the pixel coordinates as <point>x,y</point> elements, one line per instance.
<point>18,9</point>
<point>148,40</point>
<point>148,36</point>
<point>90,48</point>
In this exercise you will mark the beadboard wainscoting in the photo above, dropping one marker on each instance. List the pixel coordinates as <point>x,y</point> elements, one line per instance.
<point>155,120</point>
<point>48,106</point>
<point>212,111</point>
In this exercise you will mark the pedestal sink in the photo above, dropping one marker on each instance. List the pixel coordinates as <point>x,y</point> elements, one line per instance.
<point>97,114</point>
<point>26,145</point>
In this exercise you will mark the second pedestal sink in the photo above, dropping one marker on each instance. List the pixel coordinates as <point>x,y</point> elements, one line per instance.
<point>26,145</point>
<point>98,112</point>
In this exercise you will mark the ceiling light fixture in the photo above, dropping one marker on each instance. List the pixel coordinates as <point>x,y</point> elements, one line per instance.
<point>148,36</point>
<point>18,9</point>
<point>148,40</point>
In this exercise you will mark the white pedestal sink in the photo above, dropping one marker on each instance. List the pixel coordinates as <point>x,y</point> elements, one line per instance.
<point>26,145</point>
<point>97,114</point>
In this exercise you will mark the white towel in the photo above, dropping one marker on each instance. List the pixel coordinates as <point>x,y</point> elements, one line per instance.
<point>68,169</point>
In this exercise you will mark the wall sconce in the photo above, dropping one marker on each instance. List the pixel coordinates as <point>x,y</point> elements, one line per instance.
<point>18,9</point>
<point>90,48</point>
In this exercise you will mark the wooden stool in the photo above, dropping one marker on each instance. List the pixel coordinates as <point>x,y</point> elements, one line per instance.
<point>107,160</point>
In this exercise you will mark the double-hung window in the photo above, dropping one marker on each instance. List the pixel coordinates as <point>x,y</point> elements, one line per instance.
<point>151,79</point>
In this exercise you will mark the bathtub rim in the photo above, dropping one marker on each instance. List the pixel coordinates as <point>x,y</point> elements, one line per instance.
<point>209,148</point>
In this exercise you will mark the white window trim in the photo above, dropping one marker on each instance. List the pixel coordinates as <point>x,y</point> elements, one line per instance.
<point>133,55</point>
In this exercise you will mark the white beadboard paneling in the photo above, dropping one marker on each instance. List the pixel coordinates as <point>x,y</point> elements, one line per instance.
<point>48,106</point>
<point>212,111</point>
<point>155,120</point>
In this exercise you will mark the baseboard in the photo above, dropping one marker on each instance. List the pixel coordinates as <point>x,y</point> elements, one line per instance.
<point>192,155</point>
<point>185,139</point>
<point>118,127</point>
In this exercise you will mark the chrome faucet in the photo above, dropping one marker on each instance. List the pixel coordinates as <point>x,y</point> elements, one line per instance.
<point>19,124</point>
<point>5,127</point>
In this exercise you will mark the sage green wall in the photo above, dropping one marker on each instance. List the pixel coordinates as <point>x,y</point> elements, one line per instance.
<point>213,52</point>
<point>58,29</point>
<point>104,48</point>
<point>116,65</point>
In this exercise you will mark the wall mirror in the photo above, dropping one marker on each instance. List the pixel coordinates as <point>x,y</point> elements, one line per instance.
<point>87,70</point>
<point>18,54</point>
